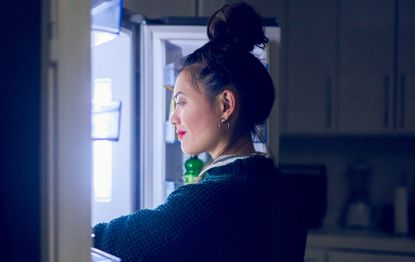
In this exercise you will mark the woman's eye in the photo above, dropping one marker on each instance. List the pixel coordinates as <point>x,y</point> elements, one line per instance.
<point>179,103</point>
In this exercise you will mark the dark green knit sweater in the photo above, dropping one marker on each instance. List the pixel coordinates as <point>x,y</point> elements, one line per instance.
<point>242,211</point>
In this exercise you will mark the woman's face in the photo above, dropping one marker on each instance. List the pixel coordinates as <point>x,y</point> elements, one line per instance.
<point>195,118</point>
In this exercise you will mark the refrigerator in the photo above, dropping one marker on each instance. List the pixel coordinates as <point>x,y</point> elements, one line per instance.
<point>137,159</point>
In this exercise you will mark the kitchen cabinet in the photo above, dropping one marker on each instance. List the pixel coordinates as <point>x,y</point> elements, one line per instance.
<point>406,67</point>
<point>265,7</point>
<point>377,67</point>
<point>349,68</point>
<point>355,256</point>
<point>366,66</point>
<point>367,257</point>
<point>161,8</point>
<point>313,255</point>
<point>307,92</point>
<point>358,246</point>
<point>208,7</point>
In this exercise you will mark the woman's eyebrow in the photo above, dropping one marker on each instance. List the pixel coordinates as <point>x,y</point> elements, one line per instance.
<point>178,93</point>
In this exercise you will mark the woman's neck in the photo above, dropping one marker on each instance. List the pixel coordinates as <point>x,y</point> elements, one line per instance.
<point>240,146</point>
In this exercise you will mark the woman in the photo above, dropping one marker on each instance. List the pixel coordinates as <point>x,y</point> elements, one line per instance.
<point>240,210</point>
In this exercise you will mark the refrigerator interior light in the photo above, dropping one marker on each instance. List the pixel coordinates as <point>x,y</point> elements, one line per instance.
<point>103,120</point>
<point>102,170</point>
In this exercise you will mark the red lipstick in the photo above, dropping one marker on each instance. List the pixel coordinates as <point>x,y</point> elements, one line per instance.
<point>180,134</point>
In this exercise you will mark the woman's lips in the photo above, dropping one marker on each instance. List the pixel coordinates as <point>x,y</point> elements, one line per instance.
<point>180,134</point>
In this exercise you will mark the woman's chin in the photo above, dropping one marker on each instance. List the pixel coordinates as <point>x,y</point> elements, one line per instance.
<point>184,149</point>
<point>190,151</point>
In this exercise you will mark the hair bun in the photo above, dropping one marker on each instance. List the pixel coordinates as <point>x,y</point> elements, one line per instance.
<point>237,25</point>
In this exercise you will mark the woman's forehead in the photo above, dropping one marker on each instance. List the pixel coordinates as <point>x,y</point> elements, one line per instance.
<point>184,84</point>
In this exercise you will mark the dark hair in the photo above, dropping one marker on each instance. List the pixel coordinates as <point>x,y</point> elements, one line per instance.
<point>226,61</point>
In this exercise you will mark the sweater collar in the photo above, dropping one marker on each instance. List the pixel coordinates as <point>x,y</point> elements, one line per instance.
<point>226,160</point>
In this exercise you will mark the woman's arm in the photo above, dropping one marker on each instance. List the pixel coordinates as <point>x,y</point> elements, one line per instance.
<point>154,234</point>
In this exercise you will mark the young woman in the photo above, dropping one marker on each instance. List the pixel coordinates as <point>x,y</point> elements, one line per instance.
<point>240,209</point>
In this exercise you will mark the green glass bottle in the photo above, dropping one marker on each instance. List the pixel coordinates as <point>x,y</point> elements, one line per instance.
<point>193,166</point>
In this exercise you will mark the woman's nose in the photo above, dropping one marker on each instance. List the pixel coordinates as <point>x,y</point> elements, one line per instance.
<point>173,118</point>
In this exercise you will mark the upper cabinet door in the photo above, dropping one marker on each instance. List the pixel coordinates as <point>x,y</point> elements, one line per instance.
<point>307,94</point>
<point>406,67</point>
<point>366,67</point>
<point>161,8</point>
<point>208,7</point>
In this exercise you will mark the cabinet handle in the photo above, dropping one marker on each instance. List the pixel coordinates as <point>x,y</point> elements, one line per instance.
<point>401,93</point>
<point>329,103</point>
<point>386,103</point>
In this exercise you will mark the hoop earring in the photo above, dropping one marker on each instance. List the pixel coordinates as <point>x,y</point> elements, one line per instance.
<point>224,124</point>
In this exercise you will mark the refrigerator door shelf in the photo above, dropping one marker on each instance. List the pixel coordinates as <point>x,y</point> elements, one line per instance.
<point>106,15</point>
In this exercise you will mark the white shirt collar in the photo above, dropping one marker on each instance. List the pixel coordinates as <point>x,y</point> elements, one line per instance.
<point>227,159</point>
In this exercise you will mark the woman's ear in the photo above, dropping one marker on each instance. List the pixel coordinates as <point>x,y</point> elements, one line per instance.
<point>227,103</point>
